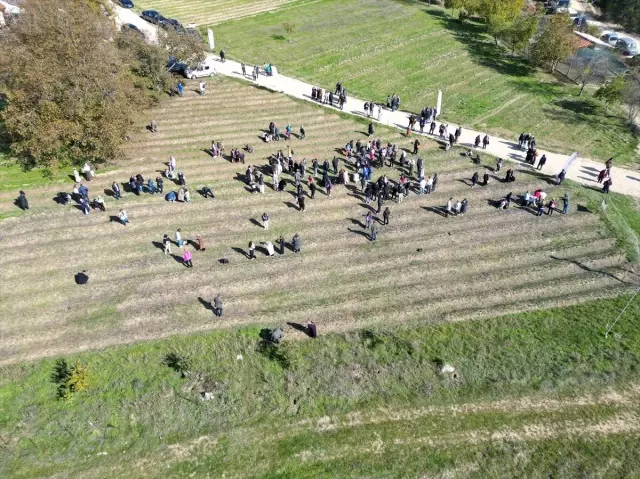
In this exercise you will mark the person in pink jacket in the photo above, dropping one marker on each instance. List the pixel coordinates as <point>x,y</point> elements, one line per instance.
<point>186,258</point>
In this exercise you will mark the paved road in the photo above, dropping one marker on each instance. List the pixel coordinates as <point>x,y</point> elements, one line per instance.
<point>126,15</point>
<point>582,170</point>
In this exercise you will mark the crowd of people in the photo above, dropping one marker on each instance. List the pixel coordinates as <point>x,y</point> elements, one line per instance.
<point>306,177</point>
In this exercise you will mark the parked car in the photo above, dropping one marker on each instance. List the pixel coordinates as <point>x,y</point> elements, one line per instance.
<point>131,28</point>
<point>153,16</point>
<point>610,37</point>
<point>204,69</point>
<point>126,3</point>
<point>177,67</point>
<point>627,46</point>
<point>173,24</point>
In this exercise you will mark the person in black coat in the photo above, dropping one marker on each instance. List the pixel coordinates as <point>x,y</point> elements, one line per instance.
<point>370,129</point>
<point>23,204</point>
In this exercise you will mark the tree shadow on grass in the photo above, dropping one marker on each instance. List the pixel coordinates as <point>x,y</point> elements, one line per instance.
<point>591,270</point>
<point>482,49</point>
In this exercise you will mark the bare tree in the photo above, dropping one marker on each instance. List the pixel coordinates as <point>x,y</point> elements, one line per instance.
<point>591,70</point>
<point>631,96</point>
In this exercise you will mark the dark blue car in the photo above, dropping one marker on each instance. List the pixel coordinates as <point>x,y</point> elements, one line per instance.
<point>153,17</point>
<point>126,3</point>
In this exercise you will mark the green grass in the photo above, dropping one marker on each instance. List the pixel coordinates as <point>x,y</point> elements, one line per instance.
<point>137,406</point>
<point>621,215</point>
<point>380,47</point>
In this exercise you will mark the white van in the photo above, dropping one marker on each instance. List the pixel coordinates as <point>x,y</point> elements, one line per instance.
<point>205,69</point>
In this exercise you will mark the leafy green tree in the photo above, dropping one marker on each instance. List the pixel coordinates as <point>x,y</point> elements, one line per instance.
<point>611,91</point>
<point>555,43</point>
<point>70,97</point>
<point>519,34</point>
<point>499,14</point>
<point>625,12</point>
<point>631,96</point>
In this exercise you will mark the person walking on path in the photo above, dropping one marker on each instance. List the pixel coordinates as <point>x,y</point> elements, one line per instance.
<point>374,232</point>
<point>565,204</point>
<point>252,250</point>
<point>385,216</point>
<point>244,69</point>
<point>217,302</point>
<point>166,242</point>
<point>543,160</point>
<point>602,175</point>
<point>223,55</point>
<point>476,143</point>
<point>561,176</point>
<point>186,258</point>
<point>265,221</point>
<point>606,186</point>
<point>485,142</point>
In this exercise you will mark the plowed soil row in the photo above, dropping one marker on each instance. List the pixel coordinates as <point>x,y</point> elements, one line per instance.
<point>424,267</point>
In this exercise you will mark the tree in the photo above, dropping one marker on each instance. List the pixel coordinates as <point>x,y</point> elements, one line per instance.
<point>519,34</point>
<point>152,63</point>
<point>499,14</point>
<point>631,96</point>
<point>289,28</point>
<point>611,92</point>
<point>625,12</point>
<point>70,98</point>
<point>555,43</point>
<point>591,69</point>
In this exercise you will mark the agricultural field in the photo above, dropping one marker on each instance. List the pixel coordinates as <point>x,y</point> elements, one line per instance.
<point>378,47</point>
<point>467,267</point>
<point>517,303</point>
<point>211,12</point>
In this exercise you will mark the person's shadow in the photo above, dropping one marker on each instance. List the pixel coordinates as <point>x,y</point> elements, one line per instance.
<point>207,304</point>
<point>256,222</point>
<point>358,232</point>
<point>439,210</point>
<point>158,245</point>
<point>299,327</point>
<point>356,222</point>
<point>241,251</point>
